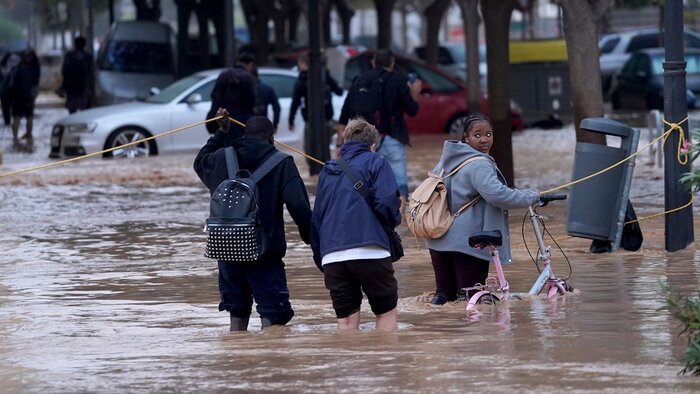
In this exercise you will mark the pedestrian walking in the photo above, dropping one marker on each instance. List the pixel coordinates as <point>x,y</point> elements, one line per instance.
<point>348,237</point>
<point>266,97</point>
<point>78,73</point>
<point>235,90</point>
<point>23,90</point>
<point>263,280</point>
<point>7,65</point>
<point>455,263</point>
<point>397,96</point>
<point>300,99</point>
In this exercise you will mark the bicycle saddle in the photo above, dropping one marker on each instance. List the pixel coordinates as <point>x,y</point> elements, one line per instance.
<point>484,238</point>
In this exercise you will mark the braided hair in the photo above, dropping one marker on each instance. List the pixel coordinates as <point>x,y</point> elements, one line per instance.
<point>470,120</point>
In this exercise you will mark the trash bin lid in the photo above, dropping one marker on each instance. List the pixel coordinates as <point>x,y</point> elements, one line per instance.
<point>606,126</point>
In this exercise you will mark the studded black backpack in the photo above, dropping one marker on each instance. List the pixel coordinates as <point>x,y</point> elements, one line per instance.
<point>234,227</point>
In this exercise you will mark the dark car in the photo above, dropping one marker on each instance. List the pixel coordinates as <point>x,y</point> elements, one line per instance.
<point>443,103</point>
<point>640,83</point>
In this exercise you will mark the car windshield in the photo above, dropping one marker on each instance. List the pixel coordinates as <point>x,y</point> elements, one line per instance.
<point>137,57</point>
<point>169,93</point>
<point>692,64</point>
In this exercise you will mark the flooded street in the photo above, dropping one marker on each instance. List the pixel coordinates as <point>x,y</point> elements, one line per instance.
<point>103,288</point>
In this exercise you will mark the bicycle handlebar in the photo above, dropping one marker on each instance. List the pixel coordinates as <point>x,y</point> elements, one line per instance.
<point>546,198</point>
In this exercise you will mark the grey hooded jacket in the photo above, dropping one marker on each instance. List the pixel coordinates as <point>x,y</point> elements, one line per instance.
<point>480,177</point>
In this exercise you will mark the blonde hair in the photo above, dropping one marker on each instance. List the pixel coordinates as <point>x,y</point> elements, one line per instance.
<point>360,130</point>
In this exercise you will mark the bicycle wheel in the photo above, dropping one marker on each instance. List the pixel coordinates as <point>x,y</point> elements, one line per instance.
<point>488,299</point>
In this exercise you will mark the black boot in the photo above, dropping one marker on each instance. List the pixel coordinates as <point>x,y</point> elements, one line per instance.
<point>264,323</point>
<point>439,299</point>
<point>239,323</point>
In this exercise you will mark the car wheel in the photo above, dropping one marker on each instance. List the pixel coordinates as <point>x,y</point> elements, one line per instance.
<point>126,135</point>
<point>456,125</point>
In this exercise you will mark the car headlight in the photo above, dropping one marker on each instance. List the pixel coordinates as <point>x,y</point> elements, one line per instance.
<point>81,128</point>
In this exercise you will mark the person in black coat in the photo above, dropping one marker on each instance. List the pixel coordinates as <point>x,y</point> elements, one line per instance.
<point>78,73</point>
<point>399,97</point>
<point>235,90</point>
<point>265,279</point>
<point>266,96</point>
<point>300,99</point>
<point>24,88</point>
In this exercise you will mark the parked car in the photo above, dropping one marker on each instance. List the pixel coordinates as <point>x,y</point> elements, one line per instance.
<point>616,49</point>
<point>443,104</point>
<point>135,57</point>
<point>640,83</point>
<point>183,103</point>
<point>452,58</point>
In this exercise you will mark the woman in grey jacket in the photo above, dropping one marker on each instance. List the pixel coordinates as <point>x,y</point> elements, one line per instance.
<point>456,264</point>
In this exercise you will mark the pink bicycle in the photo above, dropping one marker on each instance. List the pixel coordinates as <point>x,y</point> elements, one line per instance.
<point>497,289</point>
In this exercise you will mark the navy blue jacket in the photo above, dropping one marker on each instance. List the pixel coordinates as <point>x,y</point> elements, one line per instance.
<point>267,96</point>
<point>342,218</point>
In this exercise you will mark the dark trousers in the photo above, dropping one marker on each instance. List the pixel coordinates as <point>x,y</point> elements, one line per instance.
<point>455,271</point>
<point>262,281</point>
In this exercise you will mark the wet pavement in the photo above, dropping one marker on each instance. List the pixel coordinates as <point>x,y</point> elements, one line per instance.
<point>103,288</point>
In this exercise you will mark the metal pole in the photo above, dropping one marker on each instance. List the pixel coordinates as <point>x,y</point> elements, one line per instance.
<point>679,225</point>
<point>228,33</point>
<point>111,12</point>
<point>318,144</point>
<point>90,36</point>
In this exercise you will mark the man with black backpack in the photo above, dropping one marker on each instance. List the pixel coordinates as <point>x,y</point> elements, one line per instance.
<point>382,96</point>
<point>264,279</point>
<point>235,90</point>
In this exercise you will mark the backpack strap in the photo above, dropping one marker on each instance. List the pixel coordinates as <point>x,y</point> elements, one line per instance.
<point>464,163</point>
<point>267,165</point>
<point>231,161</point>
<point>476,199</point>
<point>358,185</point>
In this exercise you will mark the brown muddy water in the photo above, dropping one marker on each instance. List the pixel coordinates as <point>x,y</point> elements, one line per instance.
<point>103,288</point>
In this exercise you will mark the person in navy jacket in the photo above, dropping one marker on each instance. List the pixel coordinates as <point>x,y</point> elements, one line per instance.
<point>348,241</point>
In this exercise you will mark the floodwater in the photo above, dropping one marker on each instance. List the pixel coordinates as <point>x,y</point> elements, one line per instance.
<point>103,288</point>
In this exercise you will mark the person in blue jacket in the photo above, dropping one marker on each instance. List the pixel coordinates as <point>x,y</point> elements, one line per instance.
<point>348,241</point>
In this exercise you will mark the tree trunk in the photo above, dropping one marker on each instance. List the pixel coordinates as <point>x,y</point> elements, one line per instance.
<point>581,21</point>
<point>497,15</point>
<point>433,17</point>
<point>470,21</point>
<point>384,9</point>
<point>345,13</point>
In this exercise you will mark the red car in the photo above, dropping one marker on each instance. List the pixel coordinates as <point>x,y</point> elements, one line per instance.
<point>443,105</point>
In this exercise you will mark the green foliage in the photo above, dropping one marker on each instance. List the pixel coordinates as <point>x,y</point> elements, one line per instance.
<point>9,30</point>
<point>687,311</point>
<point>692,179</point>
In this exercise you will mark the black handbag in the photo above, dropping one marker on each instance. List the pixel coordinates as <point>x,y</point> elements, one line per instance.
<point>395,245</point>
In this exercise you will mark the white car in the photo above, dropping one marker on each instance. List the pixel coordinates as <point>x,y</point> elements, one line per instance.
<point>185,102</point>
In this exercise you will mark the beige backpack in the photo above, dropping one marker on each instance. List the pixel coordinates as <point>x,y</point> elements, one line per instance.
<point>428,214</point>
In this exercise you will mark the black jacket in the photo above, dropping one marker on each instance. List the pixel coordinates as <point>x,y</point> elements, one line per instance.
<point>300,97</point>
<point>281,186</point>
<point>235,89</point>
<point>396,100</point>
<point>267,96</point>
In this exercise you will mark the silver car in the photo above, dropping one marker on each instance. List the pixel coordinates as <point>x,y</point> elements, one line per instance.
<point>185,102</point>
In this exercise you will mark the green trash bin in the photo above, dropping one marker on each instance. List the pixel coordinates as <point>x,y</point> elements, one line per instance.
<point>597,206</point>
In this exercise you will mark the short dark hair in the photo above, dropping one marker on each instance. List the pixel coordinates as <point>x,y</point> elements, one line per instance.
<point>79,42</point>
<point>246,58</point>
<point>383,58</point>
<point>472,119</point>
<point>259,126</point>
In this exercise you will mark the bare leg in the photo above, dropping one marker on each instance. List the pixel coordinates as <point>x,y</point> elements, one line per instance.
<point>15,130</point>
<point>29,137</point>
<point>387,321</point>
<point>351,322</point>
